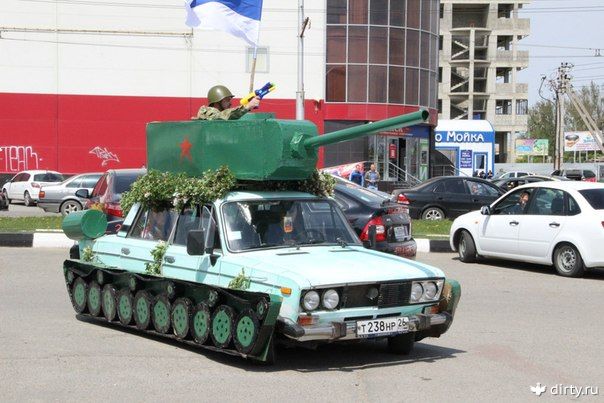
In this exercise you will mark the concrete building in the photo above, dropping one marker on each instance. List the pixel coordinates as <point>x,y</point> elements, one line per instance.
<point>80,79</point>
<point>479,62</point>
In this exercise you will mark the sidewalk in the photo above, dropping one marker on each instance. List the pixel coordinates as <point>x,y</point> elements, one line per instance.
<point>56,239</point>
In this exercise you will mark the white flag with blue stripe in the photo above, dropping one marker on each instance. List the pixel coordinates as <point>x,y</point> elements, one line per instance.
<point>240,18</point>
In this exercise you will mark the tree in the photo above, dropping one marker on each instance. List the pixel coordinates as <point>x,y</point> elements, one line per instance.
<point>592,97</point>
<point>542,123</point>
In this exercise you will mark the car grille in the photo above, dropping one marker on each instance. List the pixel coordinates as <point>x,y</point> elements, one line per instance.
<point>389,295</point>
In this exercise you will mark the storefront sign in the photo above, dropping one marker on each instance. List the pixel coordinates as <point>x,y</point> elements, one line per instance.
<point>465,159</point>
<point>462,137</point>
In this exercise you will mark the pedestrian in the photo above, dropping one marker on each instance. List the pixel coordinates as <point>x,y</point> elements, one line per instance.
<point>372,177</point>
<point>481,175</point>
<point>475,174</point>
<point>219,105</point>
<point>356,176</point>
<point>490,174</point>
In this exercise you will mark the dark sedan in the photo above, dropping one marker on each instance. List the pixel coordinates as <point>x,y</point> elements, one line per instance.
<point>447,197</point>
<point>511,183</point>
<point>365,208</point>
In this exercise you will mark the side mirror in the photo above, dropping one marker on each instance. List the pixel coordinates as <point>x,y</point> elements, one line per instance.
<point>83,193</point>
<point>371,232</point>
<point>196,242</point>
<point>485,210</point>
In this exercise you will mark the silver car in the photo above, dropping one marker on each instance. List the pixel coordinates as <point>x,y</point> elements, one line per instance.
<point>61,198</point>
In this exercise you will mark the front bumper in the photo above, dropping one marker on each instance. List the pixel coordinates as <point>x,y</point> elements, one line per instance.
<point>406,248</point>
<point>348,330</point>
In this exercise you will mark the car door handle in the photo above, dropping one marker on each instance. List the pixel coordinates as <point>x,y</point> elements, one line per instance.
<point>513,223</point>
<point>554,224</point>
<point>169,259</point>
<point>125,251</point>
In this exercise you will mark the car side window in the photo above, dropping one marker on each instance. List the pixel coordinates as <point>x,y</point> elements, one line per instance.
<point>455,186</point>
<point>24,177</point>
<point>190,219</point>
<point>89,181</point>
<point>547,202</point>
<point>511,204</point>
<point>573,206</point>
<point>74,183</point>
<point>154,225</point>
<point>440,188</point>
<point>100,187</point>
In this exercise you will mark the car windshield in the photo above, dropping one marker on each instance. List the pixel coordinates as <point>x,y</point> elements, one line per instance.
<point>595,197</point>
<point>284,223</point>
<point>48,177</point>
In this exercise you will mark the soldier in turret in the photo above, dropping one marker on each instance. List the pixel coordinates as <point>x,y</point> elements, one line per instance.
<point>219,105</point>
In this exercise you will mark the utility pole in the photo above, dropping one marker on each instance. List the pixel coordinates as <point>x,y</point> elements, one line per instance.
<point>560,87</point>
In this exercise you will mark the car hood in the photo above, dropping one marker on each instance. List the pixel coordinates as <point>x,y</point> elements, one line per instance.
<point>323,265</point>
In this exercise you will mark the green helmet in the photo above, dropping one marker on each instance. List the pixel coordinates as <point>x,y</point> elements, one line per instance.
<point>217,93</point>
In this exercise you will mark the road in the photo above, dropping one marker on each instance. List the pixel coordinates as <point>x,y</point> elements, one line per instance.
<point>516,325</point>
<point>20,210</point>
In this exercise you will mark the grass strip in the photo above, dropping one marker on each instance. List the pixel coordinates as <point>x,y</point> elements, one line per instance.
<point>28,224</point>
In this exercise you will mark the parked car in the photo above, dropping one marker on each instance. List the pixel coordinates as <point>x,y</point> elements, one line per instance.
<point>577,174</point>
<point>26,185</point>
<point>107,194</point>
<point>512,174</point>
<point>61,198</point>
<point>511,183</point>
<point>447,197</point>
<point>364,208</point>
<point>562,224</point>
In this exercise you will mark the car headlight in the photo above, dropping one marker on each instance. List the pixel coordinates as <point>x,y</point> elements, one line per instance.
<point>311,300</point>
<point>331,299</point>
<point>416,292</point>
<point>430,289</point>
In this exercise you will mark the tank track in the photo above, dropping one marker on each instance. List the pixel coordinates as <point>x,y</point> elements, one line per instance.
<point>231,321</point>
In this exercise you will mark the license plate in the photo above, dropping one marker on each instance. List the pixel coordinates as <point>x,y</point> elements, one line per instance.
<point>400,232</point>
<point>382,327</point>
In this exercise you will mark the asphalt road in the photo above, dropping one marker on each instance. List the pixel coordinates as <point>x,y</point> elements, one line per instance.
<point>516,325</point>
<point>20,210</point>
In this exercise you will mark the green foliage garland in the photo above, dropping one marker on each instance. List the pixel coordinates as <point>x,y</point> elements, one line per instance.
<point>160,190</point>
<point>241,282</point>
<point>158,256</point>
<point>87,254</point>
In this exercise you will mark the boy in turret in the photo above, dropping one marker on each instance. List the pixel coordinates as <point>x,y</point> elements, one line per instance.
<point>219,105</point>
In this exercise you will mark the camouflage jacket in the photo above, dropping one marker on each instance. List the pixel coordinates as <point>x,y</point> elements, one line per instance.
<point>210,113</point>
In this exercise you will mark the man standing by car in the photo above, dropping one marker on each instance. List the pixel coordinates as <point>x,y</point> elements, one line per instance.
<point>372,177</point>
<point>356,176</point>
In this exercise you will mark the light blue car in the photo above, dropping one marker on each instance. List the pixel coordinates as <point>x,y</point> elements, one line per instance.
<point>255,268</point>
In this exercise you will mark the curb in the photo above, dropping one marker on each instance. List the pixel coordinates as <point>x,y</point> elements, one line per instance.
<point>59,240</point>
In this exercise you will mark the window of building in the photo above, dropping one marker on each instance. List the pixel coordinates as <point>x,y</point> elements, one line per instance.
<point>396,85</point>
<point>378,45</point>
<point>357,83</point>
<point>261,59</point>
<point>440,42</point>
<point>441,11</point>
<point>412,85</point>
<point>413,16</point>
<point>336,44</point>
<point>357,44</point>
<point>440,74</point>
<point>521,106</point>
<point>503,107</point>
<point>397,13</point>
<point>357,12</point>
<point>378,84</point>
<point>336,83</point>
<point>397,46</point>
<point>378,12</point>
<point>336,11</point>
<point>412,48</point>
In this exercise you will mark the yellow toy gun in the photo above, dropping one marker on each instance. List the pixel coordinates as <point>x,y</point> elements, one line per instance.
<point>268,87</point>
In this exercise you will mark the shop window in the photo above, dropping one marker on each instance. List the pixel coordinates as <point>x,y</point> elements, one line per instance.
<point>336,44</point>
<point>357,12</point>
<point>396,85</point>
<point>336,83</point>
<point>377,45</point>
<point>378,84</point>
<point>357,44</point>
<point>357,83</point>
<point>336,11</point>
<point>397,46</point>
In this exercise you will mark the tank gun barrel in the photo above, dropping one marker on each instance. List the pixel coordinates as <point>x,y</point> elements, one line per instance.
<point>396,122</point>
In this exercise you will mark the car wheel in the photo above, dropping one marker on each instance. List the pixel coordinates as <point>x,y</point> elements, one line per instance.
<point>6,196</point>
<point>401,344</point>
<point>568,261</point>
<point>69,207</point>
<point>433,213</point>
<point>466,248</point>
<point>27,199</point>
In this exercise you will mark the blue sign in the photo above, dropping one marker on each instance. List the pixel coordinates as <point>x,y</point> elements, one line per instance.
<point>464,137</point>
<point>465,159</point>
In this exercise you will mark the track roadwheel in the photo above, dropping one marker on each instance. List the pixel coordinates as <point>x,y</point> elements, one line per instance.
<point>124,306</point>
<point>181,315</point>
<point>401,344</point>
<point>568,261</point>
<point>433,213</point>
<point>466,248</point>
<point>246,331</point>
<point>94,298</point>
<point>78,292</point>
<point>200,323</point>
<point>142,310</point>
<point>222,326</point>
<point>161,314</point>
<point>261,308</point>
<point>27,199</point>
<point>108,302</point>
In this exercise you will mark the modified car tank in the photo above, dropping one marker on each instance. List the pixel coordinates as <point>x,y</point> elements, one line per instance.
<point>251,267</point>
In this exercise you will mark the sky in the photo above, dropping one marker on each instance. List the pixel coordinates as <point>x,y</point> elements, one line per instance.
<point>563,31</point>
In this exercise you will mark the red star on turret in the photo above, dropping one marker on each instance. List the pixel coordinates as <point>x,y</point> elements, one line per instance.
<point>185,149</point>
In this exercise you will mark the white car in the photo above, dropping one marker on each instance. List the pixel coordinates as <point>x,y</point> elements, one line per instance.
<point>513,174</point>
<point>26,185</point>
<point>562,224</point>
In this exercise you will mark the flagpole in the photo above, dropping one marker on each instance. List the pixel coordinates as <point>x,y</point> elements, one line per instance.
<point>300,92</point>
<point>253,73</point>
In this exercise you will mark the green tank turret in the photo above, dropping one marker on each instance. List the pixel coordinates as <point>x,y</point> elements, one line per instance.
<point>257,147</point>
